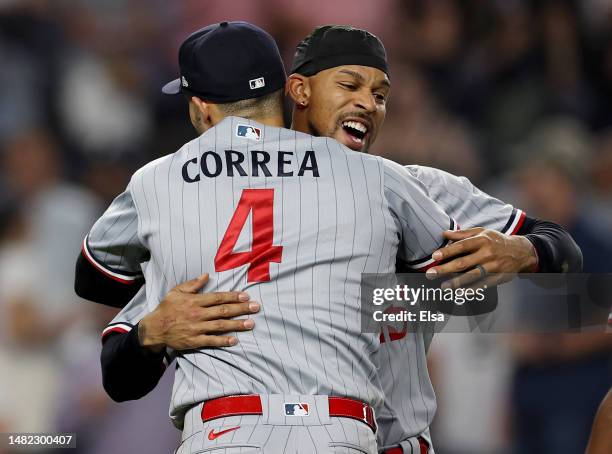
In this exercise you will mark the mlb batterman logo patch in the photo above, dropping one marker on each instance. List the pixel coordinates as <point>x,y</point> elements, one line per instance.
<point>257,83</point>
<point>248,132</point>
<point>296,409</point>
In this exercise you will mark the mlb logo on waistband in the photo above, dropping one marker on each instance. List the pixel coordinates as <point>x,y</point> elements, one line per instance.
<point>257,83</point>
<point>248,132</point>
<point>296,409</point>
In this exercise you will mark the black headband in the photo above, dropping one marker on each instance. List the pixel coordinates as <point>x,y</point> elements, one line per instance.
<point>337,45</point>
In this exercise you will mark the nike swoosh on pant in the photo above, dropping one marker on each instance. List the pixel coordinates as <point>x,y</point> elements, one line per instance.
<point>212,435</point>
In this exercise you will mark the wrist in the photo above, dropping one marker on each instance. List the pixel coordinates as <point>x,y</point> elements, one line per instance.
<point>530,259</point>
<point>147,337</point>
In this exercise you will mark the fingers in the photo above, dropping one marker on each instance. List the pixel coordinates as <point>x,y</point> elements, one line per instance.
<point>193,285</point>
<point>465,279</point>
<point>224,326</point>
<point>457,265</point>
<point>458,248</point>
<point>204,341</point>
<point>210,334</point>
<point>216,298</point>
<point>457,235</point>
<point>474,279</point>
<point>224,311</point>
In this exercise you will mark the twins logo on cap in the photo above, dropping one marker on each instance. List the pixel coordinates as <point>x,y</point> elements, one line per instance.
<point>248,132</point>
<point>296,409</point>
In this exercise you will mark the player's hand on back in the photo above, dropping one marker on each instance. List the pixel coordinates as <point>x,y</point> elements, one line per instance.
<point>498,254</point>
<point>186,319</point>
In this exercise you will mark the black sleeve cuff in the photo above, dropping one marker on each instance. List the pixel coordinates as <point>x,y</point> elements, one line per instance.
<point>556,249</point>
<point>129,371</point>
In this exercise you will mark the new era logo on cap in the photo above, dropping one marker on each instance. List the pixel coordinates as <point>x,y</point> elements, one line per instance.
<point>184,82</point>
<point>257,83</point>
<point>248,132</point>
<point>296,409</point>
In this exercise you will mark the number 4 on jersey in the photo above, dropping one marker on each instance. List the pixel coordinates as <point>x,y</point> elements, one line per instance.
<point>261,203</point>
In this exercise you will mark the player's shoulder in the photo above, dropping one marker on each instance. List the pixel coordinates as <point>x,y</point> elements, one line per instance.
<point>426,172</point>
<point>432,176</point>
<point>396,171</point>
<point>398,179</point>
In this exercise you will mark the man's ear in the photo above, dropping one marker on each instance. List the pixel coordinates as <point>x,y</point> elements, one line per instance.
<point>298,89</point>
<point>202,109</point>
<point>200,113</point>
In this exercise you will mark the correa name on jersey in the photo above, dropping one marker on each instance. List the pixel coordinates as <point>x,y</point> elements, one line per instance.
<point>212,164</point>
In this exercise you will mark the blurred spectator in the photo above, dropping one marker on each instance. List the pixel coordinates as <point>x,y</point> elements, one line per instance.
<point>552,182</point>
<point>30,48</point>
<point>559,383</point>
<point>471,373</point>
<point>57,214</point>
<point>601,178</point>
<point>102,91</point>
<point>290,20</point>
<point>560,379</point>
<point>29,370</point>
<point>99,108</point>
<point>103,426</point>
<point>417,131</point>
<point>41,238</point>
<point>18,109</point>
<point>565,76</point>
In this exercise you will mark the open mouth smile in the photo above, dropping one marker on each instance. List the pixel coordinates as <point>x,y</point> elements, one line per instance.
<point>357,131</point>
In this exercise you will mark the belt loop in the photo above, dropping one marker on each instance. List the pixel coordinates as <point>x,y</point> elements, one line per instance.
<point>369,411</point>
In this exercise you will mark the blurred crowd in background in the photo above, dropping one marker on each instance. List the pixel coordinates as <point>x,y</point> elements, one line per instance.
<point>514,94</point>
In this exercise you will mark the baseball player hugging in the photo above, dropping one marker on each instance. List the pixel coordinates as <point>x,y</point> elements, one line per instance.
<point>292,219</point>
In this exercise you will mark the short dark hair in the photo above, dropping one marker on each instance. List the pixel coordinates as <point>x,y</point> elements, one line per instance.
<point>270,104</point>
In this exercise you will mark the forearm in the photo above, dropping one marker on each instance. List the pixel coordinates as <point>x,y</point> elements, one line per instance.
<point>129,371</point>
<point>557,251</point>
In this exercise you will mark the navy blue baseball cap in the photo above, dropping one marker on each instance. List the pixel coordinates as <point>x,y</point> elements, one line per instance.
<point>228,62</point>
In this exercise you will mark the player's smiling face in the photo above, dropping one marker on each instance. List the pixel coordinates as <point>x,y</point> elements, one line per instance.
<point>348,103</point>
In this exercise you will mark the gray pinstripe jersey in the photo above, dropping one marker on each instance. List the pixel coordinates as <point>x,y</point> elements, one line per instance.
<point>410,401</point>
<point>292,219</point>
